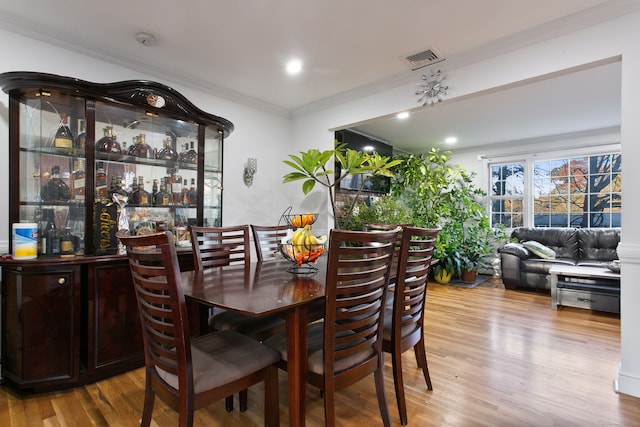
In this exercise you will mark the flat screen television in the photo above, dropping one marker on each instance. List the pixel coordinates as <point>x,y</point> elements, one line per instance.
<point>360,142</point>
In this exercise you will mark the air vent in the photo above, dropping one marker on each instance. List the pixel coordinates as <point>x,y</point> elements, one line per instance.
<point>422,59</point>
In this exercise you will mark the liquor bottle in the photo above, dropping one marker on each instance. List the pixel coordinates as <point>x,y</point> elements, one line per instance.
<point>108,143</point>
<point>66,243</point>
<point>174,185</point>
<point>76,225</point>
<point>193,194</point>
<point>48,227</point>
<point>140,196</point>
<point>185,193</point>
<point>101,183</point>
<point>64,137</point>
<point>191,156</point>
<point>167,152</point>
<point>163,197</point>
<point>140,148</point>
<point>117,189</point>
<point>154,192</point>
<point>182,156</point>
<point>55,189</point>
<point>78,180</point>
<point>81,139</point>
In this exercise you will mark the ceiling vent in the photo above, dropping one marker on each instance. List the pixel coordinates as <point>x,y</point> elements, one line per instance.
<point>422,59</point>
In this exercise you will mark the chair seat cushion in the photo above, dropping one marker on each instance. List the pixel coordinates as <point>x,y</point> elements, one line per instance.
<point>388,325</point>
<point>222,357</point>
<point>314,350</point>
<point>257,328</point>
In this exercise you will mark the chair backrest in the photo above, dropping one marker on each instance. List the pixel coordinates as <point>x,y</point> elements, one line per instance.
<point>358,273</point>
<point>218,246</point>
<point>266,239</point>
<point>388,227</point>
<point>163,314</point>
<point>412,276</point>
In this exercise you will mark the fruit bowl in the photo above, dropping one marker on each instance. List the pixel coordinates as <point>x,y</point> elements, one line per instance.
<point>300,220</point>
<point>302,256</point>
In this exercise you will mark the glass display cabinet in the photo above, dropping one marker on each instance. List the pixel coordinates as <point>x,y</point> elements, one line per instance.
<point>87,159</point>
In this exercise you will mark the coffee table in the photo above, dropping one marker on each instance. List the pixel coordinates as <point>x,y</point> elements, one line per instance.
<point>594,288</point>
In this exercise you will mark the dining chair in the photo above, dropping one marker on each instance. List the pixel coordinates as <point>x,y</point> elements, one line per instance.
<point>404,318</point>
<point>347,345</point>
<point>220,246</point>
<point>189,373</point>
<point>266,239</point>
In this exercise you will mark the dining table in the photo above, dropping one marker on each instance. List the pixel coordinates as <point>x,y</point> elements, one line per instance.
<point>264,289</point>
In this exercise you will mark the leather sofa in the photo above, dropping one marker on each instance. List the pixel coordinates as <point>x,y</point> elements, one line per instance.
<point>573,246</point>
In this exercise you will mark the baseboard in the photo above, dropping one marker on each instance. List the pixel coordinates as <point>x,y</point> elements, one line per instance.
<point>627,384</point>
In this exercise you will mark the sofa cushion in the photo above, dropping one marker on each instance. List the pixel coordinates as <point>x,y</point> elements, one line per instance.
<point>539,249</point>
<point>563,241</point>
<point>541,265</point>
<point>516,249</point>
<point>598,244</point>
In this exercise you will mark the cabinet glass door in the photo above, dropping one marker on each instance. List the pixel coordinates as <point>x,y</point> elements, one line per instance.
<point>212,194</point>
<point>52,165</point>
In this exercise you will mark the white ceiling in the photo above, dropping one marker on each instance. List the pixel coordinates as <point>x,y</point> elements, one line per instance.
<point>237,50</point>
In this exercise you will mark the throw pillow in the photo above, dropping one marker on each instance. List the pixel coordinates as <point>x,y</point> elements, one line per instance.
<point>539,249</point>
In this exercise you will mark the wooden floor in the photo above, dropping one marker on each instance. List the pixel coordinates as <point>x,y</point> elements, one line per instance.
<point>497,358</point>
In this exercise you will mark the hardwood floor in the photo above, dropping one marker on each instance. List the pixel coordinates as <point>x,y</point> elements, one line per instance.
<point>496,357</point>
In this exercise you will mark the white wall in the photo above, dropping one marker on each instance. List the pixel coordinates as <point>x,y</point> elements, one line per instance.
<point>608,40</point>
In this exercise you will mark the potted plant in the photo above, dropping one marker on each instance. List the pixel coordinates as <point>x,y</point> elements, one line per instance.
<point>311,167</point>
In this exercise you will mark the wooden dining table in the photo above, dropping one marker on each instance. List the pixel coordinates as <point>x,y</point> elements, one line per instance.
<point>264,289</point>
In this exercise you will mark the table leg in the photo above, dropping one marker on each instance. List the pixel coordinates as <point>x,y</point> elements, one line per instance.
<point>297,364</point>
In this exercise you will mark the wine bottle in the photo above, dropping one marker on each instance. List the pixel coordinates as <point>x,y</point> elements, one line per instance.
<point>55,189</point>
<point>64,137</point>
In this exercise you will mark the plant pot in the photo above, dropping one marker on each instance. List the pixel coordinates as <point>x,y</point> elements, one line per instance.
<point>469,276</point>
<point>443,277</point>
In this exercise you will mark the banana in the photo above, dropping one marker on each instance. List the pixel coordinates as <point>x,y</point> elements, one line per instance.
<point>298,237</point>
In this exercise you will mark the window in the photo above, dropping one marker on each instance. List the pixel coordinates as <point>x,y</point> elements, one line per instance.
<point>570,192</point>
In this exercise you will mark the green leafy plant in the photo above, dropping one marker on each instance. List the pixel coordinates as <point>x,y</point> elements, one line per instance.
<point>311,167</point>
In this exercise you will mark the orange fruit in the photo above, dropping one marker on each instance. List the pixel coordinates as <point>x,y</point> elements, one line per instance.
<point>296,220</point>
<point>307,219</point>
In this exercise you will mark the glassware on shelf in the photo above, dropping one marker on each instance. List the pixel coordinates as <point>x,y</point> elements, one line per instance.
<point>140,148</point>
<point>108,143</point>
<point>55,189</point>
<point>167,152</point>
<point>64,137</point>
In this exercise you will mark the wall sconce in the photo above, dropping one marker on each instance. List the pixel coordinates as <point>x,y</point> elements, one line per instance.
<point>250,169</point>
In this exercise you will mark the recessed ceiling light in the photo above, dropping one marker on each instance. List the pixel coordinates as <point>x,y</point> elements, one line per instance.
<point>451,140</point>
<point>294,67</point>
<point>368,148</point>
<point>403,115</point>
